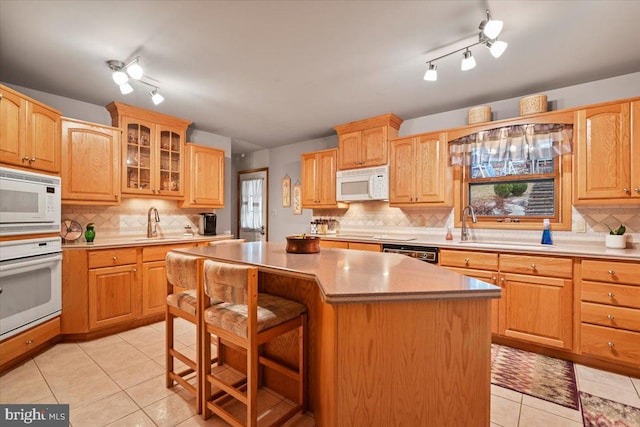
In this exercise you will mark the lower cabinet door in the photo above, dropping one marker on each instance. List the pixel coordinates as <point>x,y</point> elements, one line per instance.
<point>154,287</point>
<point>537,309</point>
<point>112,295</point>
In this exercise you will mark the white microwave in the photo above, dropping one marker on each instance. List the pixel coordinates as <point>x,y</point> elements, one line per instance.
<point>356,185</point>
<point>30,203</point>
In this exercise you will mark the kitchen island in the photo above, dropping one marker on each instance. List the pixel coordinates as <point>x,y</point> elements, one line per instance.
<point>392,340</point>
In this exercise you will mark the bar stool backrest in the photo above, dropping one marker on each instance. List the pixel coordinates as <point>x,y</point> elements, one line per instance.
<point>182,270</point>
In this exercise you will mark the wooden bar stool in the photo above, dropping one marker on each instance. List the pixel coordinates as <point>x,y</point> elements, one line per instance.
<point>246,319</point>
<point>183,271</point>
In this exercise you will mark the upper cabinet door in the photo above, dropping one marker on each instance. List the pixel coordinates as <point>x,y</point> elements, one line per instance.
<point>169,149</point>
<point>90,163</point>
<point>139,157</point>
<point>12,128</point>
<point>603,153</point>
<point>402,171</point>
<point>327,177</point>
<point>310,183</point>
<point>635,149</point>
<point>43,133</point>
<point>432,179</point>
<point>204,177</point>
<point>350,150</point>
<point>375,147</point>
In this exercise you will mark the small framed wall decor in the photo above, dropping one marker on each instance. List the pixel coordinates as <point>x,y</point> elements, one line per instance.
<point>286,191</point>
<point>297,199</point>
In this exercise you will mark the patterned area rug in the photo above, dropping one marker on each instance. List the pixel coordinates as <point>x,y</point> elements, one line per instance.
<point>534,374</point>
<point>599,412</point>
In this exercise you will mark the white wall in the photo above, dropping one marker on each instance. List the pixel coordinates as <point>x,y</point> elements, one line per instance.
<point>626,86</point>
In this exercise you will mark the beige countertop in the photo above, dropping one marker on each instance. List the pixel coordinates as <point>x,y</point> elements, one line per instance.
<point>574,249</point>
<point>122,241</point>
<point>355,276</point>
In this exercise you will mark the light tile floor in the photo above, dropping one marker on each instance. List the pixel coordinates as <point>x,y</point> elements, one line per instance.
<point>119,381</point>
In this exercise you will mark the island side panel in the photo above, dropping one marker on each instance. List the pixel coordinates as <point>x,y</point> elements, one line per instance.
<point>321,344</point>
<point>414,363</point>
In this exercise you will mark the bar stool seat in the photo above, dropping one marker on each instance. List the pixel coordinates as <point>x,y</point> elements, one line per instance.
<point>245,320</point>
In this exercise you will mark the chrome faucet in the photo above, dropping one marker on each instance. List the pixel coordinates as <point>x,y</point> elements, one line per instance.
<point>464,234</point>
<point>151,231</point>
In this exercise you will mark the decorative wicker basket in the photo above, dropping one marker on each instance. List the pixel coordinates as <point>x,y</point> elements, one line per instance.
<point>533,104</point>
<point>479,114</point>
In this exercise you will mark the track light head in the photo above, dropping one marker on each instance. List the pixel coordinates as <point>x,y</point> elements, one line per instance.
<point>134,70</point>
<point>432,73</point>
<point>126,89</point>
<point>491,27</point>
<point>156,97</point>
<point>468,61</point>
<point>496,47</point>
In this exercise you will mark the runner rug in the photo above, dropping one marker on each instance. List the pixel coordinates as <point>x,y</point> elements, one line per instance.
<point>600,412</point>
<point>539,376</point>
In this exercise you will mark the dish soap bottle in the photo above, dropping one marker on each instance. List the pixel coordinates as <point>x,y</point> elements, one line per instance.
<point>546,233</point>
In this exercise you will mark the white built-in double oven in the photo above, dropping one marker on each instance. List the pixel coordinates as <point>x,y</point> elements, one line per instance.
<point>30,266</point>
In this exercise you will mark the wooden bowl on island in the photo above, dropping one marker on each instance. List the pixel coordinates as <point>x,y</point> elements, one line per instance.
<point>303,244</point>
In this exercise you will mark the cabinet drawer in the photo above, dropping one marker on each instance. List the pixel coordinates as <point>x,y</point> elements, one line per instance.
<point>372,247</point>
<point>464,259</point>
<point>25,341</point>
<point>111,257</point>
<point>613,344</point>
<point>159,253</point>
<point>611,271</point>
<point>536,266</point>
<point>608,315</point>
<point>619,295</point>
<point>334,244</point>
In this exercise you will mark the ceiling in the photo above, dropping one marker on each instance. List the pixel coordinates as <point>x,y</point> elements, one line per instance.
<point>271,73</point>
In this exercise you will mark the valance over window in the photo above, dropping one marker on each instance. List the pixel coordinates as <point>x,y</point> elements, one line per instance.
<point>519,144</point>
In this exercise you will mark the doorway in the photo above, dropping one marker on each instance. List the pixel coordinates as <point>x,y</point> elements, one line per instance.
<point>253,196</point>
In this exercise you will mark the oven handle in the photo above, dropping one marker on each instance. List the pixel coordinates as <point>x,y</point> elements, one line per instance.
<point>39,260</point>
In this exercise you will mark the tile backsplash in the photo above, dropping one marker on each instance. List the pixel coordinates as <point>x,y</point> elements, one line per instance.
<point>130,217</point>
<point>377,217</point>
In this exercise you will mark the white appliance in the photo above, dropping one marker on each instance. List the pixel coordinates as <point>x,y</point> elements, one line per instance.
<point>356,185</point>
<point>30,283</point>
<point>30,203</point>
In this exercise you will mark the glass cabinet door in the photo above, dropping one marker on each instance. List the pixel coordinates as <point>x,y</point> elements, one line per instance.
<point>139,158</point>
<point>170,147</point>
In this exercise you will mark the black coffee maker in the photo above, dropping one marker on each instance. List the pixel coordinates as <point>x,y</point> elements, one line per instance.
<point>207,226</point>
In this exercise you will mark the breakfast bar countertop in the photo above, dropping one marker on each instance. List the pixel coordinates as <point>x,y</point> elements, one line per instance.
<point>355,276</point>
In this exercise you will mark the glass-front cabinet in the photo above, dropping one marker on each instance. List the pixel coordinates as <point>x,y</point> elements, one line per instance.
<point>153,147</point>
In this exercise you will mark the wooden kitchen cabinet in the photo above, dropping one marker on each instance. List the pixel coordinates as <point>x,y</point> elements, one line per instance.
<point>319,179</point>
<point>610,311</point>
<point>479,265</point>
<point>607,152</point>
<point>365,143</point>
<point>112,295</point>
<point>114,289</point>
<point>30,132</point>
<point>90,163</point>
<point>204,177</point>
<point>19,346</point>
<point>152,152</point>
<point>537,306</point>
<point>419,174</point>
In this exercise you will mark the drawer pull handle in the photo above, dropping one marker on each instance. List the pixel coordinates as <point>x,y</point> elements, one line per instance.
<point>502,279</point>
<point>610,344</point>
<point>637,190</point>
<point>135,270</point>
<point>626,190</point>
<point>610,317</point>
<point>466,260</point>
<point>611,272</point>
<point>533,266</point>
<point>28,342</point>
<point>611,294</point>
<point>115,258</point>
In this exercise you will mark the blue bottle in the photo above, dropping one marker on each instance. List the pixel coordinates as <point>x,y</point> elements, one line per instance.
<point>546,233</point>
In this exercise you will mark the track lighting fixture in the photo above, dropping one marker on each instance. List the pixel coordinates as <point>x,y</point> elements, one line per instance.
<point>122,73</point>
<point>488,36</point>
